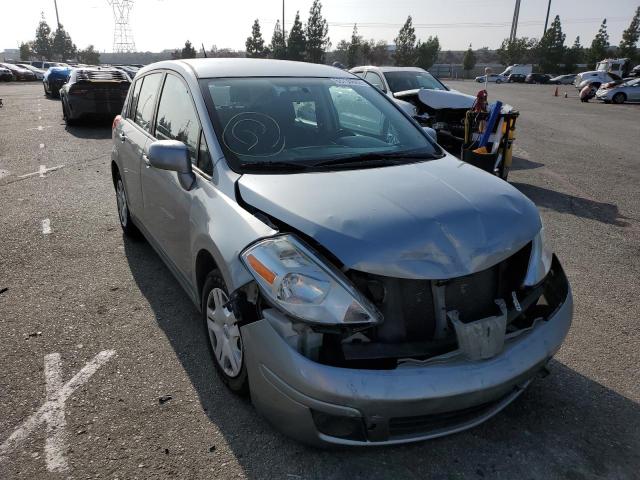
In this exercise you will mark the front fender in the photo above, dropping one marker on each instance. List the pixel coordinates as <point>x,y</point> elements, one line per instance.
<point>224,229</point>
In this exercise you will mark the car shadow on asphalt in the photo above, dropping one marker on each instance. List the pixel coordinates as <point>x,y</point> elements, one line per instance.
<point>519,163</point>
<point>91,129</point>
<point>565,203</point>
<point>564,426</point>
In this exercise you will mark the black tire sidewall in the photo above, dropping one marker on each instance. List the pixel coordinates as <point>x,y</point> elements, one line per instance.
<point>239,384</point>
<point>619,95</point>
<point>130,230</point>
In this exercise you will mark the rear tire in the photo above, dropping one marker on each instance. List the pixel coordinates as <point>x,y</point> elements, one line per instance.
<point>124,215</point>
<point>223,335</point>
<point>619,98</point>
<point>65,114</point>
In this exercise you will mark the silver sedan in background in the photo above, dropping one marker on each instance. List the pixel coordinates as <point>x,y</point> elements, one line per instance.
<point>624,92</point>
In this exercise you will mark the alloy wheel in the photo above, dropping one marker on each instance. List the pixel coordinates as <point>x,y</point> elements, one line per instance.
<point>224,333</point>
<point>121,198</point>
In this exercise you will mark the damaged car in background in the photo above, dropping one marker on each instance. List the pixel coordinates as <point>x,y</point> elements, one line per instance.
<point>365,287</point>
<point>435,106</point>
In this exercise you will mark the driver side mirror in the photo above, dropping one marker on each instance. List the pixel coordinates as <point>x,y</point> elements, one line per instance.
<point>172,155</point>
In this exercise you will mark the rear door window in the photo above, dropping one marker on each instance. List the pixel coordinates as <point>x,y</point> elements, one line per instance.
<point>147,100</point>
<point>177,117</point>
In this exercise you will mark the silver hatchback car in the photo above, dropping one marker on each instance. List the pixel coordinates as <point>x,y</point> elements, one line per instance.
<point>363,285</point>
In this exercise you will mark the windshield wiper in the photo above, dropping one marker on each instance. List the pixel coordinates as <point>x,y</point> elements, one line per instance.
<point>274,165</point>
<point>376,158</point>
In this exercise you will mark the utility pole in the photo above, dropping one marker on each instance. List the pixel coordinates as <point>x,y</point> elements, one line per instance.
<point>547,19</point>
<point>514,22</point>
<point>284,39</point>
<point>55,3</point>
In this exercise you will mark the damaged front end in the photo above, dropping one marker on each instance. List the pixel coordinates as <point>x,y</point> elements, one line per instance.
<point>442,110</point>
<point>444,355</point>
<point>392,322</point>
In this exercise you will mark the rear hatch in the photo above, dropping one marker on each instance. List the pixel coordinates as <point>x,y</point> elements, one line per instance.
<point>107,88</point>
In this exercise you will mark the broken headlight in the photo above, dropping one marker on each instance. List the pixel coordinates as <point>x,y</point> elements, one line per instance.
<point>539,261</point>
<point>297,280</point>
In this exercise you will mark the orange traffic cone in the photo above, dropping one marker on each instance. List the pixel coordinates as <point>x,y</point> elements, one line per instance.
<point>556,92</point>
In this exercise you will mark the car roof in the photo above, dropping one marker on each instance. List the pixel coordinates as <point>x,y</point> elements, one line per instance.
<point>249,67</point>
<point>389,68</point>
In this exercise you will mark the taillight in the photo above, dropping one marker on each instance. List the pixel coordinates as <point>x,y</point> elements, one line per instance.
<point>116,122</point>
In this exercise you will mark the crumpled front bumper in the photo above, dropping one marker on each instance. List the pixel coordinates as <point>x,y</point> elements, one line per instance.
<point>410,403</point>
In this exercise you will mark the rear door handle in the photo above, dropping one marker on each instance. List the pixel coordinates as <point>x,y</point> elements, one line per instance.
<point>122,136</point>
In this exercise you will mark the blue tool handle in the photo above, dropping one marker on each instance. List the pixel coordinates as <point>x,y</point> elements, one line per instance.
<point>493,118</point>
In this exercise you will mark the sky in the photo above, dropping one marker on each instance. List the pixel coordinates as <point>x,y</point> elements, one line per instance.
<point>162,24</point>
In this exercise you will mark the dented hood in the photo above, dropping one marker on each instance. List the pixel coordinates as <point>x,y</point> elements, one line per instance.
<point>439,99</point>
<point>430,220</point>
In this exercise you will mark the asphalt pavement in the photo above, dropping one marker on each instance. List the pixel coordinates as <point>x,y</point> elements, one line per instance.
<point>104,370</point>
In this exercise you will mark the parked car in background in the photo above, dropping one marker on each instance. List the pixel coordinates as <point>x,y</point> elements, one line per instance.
<point>628,91</point>
<point>5,74</point>
<point>37,72</point>
<point>19,73</point>
<point>492,78</point>
<point>425,98</point>
<point>95,92</point>
<point>128,69</point>
<point>538,78</point>
<point>425,318</point>
<point>516,78</point>
<point>53,80</point>
<point>563,79</point>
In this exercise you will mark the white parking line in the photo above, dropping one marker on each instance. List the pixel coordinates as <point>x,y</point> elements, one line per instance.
<point>40,127</point>
<point>52,411</point>
<point>46,226</point>
<point>40,171</point>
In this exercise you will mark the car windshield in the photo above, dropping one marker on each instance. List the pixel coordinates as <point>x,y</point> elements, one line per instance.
<point>294,123</point>
<point>410,80</point>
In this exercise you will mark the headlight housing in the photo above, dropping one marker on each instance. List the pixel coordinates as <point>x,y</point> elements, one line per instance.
<point>539,261</point>
<point>297,280</point>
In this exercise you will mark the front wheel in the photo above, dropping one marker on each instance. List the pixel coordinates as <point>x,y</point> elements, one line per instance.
<point>619,98</point>
<point>223,334</point>
<point>498,81</point>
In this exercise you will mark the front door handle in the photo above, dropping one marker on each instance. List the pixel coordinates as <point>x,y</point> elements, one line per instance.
<point>122,136</point>
<point>145,159</point>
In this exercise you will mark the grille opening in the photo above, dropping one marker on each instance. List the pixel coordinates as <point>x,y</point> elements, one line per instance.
<point>409,309</point>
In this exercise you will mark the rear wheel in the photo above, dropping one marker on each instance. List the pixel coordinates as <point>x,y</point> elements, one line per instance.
<point>223,334</point>
<point>124,215</point>
<point>67,116</point>
<point>619,98</point>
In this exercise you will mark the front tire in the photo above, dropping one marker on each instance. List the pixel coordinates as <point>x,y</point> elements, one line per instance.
<point>619,98</point>
<point>223,335</point>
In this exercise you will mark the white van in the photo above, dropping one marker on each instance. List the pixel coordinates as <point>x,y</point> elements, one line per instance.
<point>519,69</point>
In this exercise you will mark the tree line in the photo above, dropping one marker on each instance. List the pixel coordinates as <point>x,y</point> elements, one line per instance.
<point>550,52</point>
<point>56,45</point>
